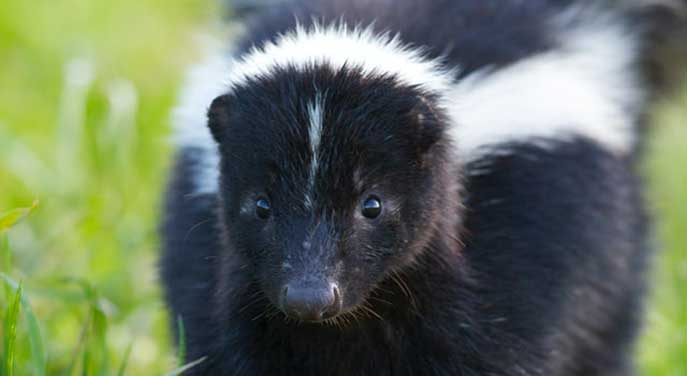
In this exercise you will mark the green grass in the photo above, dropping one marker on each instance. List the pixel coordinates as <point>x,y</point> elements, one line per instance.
<point>663,350</point>
<point>85,93</point>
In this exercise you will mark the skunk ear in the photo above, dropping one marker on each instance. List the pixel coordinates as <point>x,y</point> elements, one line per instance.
<point>429,125</point>
<point>218,116</point>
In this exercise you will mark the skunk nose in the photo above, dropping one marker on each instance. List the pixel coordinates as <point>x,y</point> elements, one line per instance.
<point>311,303</point>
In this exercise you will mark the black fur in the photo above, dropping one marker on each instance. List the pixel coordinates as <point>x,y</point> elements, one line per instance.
<point>528,262</point>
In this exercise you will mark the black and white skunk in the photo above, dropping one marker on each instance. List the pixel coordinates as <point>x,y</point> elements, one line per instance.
<point>412,187</point>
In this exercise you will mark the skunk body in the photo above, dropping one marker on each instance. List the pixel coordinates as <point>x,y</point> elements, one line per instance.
<point>412,188</point>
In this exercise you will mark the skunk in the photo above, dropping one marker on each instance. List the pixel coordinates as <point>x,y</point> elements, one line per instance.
<point>412,187</point>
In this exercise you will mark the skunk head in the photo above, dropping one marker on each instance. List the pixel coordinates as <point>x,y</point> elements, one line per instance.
<point>332,177</point>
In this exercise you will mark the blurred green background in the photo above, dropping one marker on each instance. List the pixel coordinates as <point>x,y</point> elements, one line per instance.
<point>86,89</point>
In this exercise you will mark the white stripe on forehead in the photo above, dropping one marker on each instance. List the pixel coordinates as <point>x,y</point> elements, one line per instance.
<point>339,46</point>
<point>315,123</point>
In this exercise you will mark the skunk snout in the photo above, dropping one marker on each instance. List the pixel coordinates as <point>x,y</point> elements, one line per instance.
<point>311,302</point>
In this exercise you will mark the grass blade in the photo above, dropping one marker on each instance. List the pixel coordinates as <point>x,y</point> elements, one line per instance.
<point>12,217</point>
<point>38,359</point>
<point>91,350</point>
<point>10,333</point>
<point>181,351</point>
<point>98,343</point>
<point>6,257</point>
<point>5,254</point>
<point>79,347</point>
<point>179,371</point>
<point>125,360</point>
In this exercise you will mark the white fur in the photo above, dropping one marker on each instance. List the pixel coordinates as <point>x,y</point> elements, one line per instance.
<point>341,46</point>
<point>203,84</point>
<point>316,118</point>
<point>587,87</point>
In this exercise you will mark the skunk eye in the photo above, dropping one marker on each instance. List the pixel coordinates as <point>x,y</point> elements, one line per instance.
<point>263,208</point>
<point>372,207</point>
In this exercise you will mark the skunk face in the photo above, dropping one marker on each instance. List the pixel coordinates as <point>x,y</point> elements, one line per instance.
<point>330,179</point>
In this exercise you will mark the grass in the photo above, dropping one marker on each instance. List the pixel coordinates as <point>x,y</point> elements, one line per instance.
<point>85,93</point>
<point>663,350</point>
